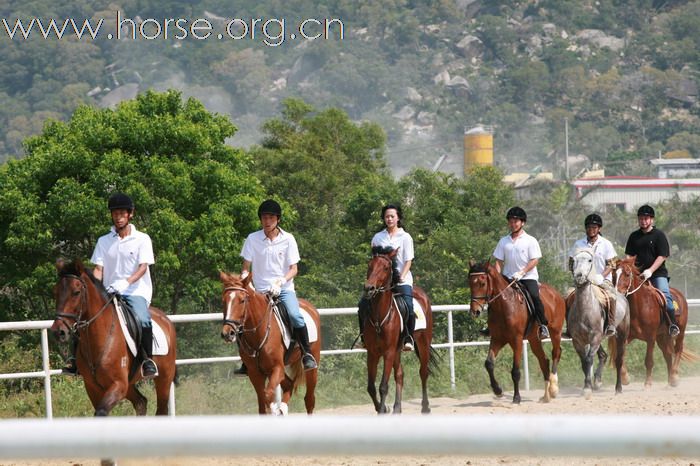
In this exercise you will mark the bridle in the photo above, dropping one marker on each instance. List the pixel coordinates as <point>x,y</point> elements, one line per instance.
<point>374,292</point>
<point>631,280</point>
<point>239,325</point>
<point>79,323</point>
<point>487,297</point>
<point>590,269</point>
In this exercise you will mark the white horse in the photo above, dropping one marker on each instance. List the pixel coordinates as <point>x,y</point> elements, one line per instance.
<point>586,323</point>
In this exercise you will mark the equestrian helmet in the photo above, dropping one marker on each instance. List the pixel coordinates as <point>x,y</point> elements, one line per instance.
<point>270,207</point>
<point>516,212</point>
<point>593,219</point>
<point>120,201</point>
<point>645,210</point>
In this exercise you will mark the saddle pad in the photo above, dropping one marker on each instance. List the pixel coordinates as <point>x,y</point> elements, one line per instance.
<point>160,342</point>
<point>310,327</point>
<point>662,302</point>
<point>421,321</point>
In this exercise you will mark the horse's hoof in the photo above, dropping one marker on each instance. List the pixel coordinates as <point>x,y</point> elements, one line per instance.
<point>516,399</point>
<point>647,385</point>
<point>498,391</point>
<point>553,385</point>
<point>587,393</point>
<point>425,410</point>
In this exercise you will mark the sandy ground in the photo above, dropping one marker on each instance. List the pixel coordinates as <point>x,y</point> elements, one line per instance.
<point>659,400</point>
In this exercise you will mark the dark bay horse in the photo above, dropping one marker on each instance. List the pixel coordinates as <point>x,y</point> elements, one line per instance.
<point>649,322</point>
<point>249,318</point>
<point>587,319</point>
<point>509,323</point>
<point>382,331</point>
<point>84,307</point>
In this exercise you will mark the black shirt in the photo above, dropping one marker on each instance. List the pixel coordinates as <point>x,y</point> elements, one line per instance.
<point>647,247</point>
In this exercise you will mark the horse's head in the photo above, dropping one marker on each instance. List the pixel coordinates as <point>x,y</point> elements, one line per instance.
<point>583,265</point>
<point>480,287</point>
<point>70,295</point>
<point>627,275</point>
<point>236,296</point>
<point>380,270</point>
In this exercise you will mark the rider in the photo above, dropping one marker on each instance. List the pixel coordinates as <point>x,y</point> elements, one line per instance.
<point>273,253</point>
<point>395,237</point>
<point>650,246</point>
<point>603,254</point>
<point>517,255</point>
<point>121,259</point>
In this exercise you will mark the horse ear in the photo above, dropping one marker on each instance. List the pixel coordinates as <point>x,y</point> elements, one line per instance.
<point>79,266</point>
<point>247,280</point>
<point>472,263</point>
<point>223,276</point>
<point>394,252</point>
<point>60,262</point>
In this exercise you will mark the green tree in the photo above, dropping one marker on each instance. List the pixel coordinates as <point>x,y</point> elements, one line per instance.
<point>195,196</point>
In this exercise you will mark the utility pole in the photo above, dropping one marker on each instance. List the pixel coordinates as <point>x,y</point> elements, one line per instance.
<point>566,148</point>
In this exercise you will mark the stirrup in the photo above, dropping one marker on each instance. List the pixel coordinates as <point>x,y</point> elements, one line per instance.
<point>309,362</point>
<point>485,332</point>
<point>610,331</point>
<point>359,342</point>
<point>544,332</point>
<point>70,369</point>
<point>408,343</point>
<point>674,330</point>
<point>566,333</point>
<point>241,371</point>
<point>149,369</point>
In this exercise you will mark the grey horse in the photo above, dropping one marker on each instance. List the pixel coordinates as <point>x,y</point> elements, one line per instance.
<point>586,323</point>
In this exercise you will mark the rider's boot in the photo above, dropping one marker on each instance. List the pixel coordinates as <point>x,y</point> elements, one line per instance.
<point>361,342</point>
<point>302,337</point>
<point>408,331</point>
<point>610,330</point>
<point>149,369</point>
<point>673,328</point>
<point>243,370</point>
<point>542,320</point>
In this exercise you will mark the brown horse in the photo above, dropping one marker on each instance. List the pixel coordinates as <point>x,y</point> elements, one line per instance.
<point>382,331</point>
<point>649,322</point>
<point>249,318</point>
<point>85,309</point>
<point>509,323</point>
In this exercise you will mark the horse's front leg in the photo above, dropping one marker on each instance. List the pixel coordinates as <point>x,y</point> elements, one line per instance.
<point>515,370</point>
<point>257,380</point>
<point>538,351</point>
<point>602,359</point>
<point>649,363</point>
<point>489,364</point>
<point>587,367</point>
<point>620,361</point>
<point>113,395</point>
<point>276,377</point>
<point>372,362</point>
<point>398,381</point>
<point>389,357</point>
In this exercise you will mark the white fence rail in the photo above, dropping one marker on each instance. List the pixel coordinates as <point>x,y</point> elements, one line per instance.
<point>186,436</point>
<point>46,372</point>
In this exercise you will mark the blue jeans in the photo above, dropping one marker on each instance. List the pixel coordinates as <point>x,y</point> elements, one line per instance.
<point>407,291</point>
<point>140,307</point>
<point>661,284</point>
<point>289,298</point>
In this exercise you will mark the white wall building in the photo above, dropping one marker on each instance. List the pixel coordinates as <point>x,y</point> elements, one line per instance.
<point>676,168</point>
<point>628,193</point>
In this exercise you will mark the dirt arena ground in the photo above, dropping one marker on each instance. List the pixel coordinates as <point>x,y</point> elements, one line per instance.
<point>659,400</point>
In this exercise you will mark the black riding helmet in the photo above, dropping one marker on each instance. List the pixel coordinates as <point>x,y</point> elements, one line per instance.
<point>516,212</point>
<point>120,201</point>
<point>593,219</point>
<point>270,207</point>
<point>645,210</point>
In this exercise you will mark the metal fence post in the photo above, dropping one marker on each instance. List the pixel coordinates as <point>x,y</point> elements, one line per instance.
<point>526,368</point>
<point>47,372</point>
<point>450,340</point>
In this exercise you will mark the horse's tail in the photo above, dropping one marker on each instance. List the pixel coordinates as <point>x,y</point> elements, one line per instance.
<point>298,375</point>
<point>690,356</point>
<point>612,351</point>
<point>434,359</point>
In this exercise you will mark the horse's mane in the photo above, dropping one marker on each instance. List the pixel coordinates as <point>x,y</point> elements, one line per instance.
<point>383,251</point>
<point>479,267</point>
<point>75,268</point>
<point>628,261</point>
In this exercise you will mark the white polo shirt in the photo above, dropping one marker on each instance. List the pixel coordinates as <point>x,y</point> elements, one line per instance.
<point>401,240</point>
<point>270,259</point>
<point>603,250</point>
<point>120,257</point>
<point>516,253</point>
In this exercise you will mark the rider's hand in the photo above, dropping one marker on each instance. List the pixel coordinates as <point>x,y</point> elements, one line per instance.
<point>276,287</point>
<point>597,279</point>
<point>118,286</point>
<point>518,275</point>
<point>647,274</point>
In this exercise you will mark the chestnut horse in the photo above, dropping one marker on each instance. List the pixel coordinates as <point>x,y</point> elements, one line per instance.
<point>249,318</point>
<point>649,322</point>
<point>382,331</point>
<point>509,323</point>
<point>85,309</point>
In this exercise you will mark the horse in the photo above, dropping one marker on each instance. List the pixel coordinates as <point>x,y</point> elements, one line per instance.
<point>586,321</point>
<point>648,317</point>
<point>86,310</point>
<point>382,332</point>
<point>249,318</point>
<point>509,322</point>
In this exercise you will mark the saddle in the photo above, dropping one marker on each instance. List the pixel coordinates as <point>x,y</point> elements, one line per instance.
<point>525,297</point>
<point>402,305</point>
<point>661,299</point>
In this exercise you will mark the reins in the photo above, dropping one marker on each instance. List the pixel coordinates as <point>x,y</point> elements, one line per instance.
<point>240,328</point>
<point>489,301</point>
<point>377,291</point>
